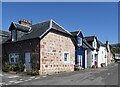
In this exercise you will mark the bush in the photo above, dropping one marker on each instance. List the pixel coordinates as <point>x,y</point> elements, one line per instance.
<point>6,68</point>
<point>33,72</point>
<point>12,66</point>
<point>18,67</point>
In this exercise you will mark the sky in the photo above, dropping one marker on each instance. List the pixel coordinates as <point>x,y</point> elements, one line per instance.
<point>92,18</point>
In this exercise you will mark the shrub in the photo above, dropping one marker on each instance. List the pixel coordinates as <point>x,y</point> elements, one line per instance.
<point>33,72</point>
<point>12,66</point>
<point>6,68</point>
<point>19,67</point>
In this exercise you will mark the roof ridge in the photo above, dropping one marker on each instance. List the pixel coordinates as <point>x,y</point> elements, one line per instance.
<point>61,27</point>
<point>42,22</point>
<point>76,31</point>
<point>90,36</point>
<point>50,26</point>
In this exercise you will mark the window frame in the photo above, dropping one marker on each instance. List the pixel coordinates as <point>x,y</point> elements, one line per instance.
<point>68,57</point>
<point>14,35</point>
<point>79,60</point>
<point>15,57</point>
<point>79,41</point>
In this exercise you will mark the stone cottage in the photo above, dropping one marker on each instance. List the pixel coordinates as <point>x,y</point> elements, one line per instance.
<point>45,46</point>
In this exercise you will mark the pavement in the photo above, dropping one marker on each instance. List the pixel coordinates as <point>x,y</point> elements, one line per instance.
<point>100,76</point>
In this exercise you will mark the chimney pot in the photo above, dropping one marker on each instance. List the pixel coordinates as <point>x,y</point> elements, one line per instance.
<point>25,22</point>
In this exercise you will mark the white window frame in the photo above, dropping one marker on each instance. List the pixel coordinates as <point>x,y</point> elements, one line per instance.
<point>14,35</point>
<point>92,58</point>
<point>79,60</point>
<point>79,42</point>
<point>15,57</point>
<point>68,57</point>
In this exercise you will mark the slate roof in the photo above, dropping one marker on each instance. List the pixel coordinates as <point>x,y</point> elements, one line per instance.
<point>59,28</point>
<point>85,42</point>
<point>4,33</point>
<point>19,27</point>
<point>38,30</point>
<point>4,36</point>
<point>90,38</point>
<point>100,43</point>
<point>75,33</point>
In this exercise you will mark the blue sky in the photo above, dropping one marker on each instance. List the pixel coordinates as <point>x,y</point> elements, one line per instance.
<point>92,18</point>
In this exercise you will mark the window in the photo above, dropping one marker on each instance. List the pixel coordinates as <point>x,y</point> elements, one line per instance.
<point>92,58</point>
<point>102,56</point>
<point>94,44</point>
<point>13,57</point>
<point>79,41</point>
<point>102,52</point>
<point>79,60</point>
<point>66,57</point>
<point>14,35</point>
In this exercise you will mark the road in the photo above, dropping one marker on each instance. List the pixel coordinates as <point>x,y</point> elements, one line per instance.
<point>101,76</point>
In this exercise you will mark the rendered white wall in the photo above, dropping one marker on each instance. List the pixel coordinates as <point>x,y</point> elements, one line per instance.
<point>102,56</point>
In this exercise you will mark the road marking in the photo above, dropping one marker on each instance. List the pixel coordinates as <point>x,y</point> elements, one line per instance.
<point>21,79</point>
<point>1,83</point>
<point>13,77</point>
<point>18,82</point>
<point>44,76</point>
<point>26,80</point>
<point>9,83</point>
<point>37,78</point>
<point>6,84</point>
<point>1,75</point>
<point>12,81</point>
<point>29,79</point>
<point>32,77</point>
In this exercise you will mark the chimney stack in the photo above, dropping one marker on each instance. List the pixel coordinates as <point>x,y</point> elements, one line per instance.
<point>107,42</point>
<point>25,22</point>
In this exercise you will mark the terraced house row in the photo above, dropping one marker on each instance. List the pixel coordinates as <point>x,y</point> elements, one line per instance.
<point>50,48</point>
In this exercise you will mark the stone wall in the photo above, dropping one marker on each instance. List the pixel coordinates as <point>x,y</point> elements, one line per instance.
<point>22,47</point>
<point>52,48</point>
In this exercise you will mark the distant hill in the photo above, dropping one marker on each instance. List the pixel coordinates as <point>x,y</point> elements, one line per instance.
<point>115,48</point>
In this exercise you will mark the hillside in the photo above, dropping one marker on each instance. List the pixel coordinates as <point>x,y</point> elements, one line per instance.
<point>115,48</point>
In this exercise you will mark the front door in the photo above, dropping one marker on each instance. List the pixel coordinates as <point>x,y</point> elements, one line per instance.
<point>27,62</point>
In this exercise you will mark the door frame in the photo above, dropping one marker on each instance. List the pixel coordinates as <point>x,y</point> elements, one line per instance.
<point>28,66</point>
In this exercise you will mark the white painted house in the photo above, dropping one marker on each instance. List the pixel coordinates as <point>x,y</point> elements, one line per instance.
<point>102,55</point>
<point>93,55</point>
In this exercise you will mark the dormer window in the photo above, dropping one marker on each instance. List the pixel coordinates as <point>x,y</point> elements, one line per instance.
<point>79,41</point>
<point>94,44</point>
<point>14,35</point>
